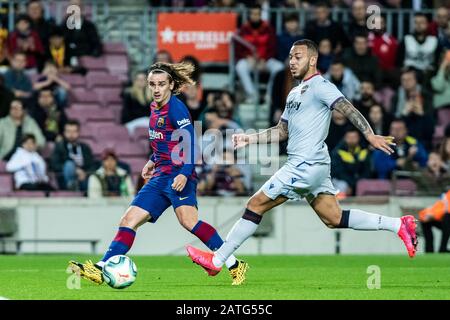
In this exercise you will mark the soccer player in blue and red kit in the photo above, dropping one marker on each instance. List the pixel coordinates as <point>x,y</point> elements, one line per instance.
<point>171,172</point>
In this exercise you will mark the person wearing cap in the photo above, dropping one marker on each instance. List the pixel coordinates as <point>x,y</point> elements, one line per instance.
<point>110,180</point>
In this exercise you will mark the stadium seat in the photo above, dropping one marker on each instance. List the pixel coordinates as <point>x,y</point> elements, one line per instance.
<point>373,187</point>
<point>405,187</point>
<point>95,80</point>
<point>136,164</point>
<point>2,167</point>
<point>130,150</point>
<point>140,134</point>
<point>6,183</point>
<point>114,48</point>
<point>85,96</point>
<point>47,151</point>
<point>110,96</point>
<point>117,64</point>
<point>92,63</point>
<point>27,194</point>
<point>66,194</point>
<point>75,80</point>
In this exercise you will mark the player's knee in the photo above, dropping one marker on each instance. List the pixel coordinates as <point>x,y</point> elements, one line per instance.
<point>188,222</point>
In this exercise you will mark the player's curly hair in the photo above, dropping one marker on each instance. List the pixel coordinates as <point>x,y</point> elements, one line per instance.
<point>179,73</point>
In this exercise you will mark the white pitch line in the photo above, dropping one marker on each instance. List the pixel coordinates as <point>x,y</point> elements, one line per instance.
<point>3,298</point>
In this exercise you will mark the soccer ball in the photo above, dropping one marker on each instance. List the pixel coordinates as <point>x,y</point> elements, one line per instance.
<point>119,272</point>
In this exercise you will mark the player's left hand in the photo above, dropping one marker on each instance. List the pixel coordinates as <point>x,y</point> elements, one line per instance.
<point>382,143</point>
<point>179,182</point>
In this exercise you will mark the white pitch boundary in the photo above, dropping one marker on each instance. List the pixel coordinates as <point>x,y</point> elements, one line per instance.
<point>3,298</point>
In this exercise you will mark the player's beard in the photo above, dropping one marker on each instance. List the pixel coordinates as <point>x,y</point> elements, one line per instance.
<point>302,72</point>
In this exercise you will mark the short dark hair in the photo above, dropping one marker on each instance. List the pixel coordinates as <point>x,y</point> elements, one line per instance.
<point>291,17</point>
<point>361,34</point>
<point>337,60</point>
<point>73,122</point>
<point>421,14</point>
<point>322,4</point>
<point>26,137</point>
<point>397,119</point>
<point>311,45</point>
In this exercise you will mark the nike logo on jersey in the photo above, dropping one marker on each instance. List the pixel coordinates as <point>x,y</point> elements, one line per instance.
<point>184,198</point>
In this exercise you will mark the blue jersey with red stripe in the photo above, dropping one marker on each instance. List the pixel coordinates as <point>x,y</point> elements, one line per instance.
<point>172,139</point>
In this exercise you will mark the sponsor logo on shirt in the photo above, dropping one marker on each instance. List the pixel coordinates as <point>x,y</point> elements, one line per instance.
<point>293,105</point>
<point>183,122</point>
<point>156,135</point>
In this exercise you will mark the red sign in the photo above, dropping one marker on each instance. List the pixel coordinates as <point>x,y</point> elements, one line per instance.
<point>203,35</point>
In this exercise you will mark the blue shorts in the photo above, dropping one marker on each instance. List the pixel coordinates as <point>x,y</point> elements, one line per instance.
<point>157,195</point>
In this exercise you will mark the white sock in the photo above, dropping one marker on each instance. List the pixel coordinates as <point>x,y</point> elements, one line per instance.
<point>101,264</point>
<point>230,261</point>
<point>241,231</point>
<point>362,220</point>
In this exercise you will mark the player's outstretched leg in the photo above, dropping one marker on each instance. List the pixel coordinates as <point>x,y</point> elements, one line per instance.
<point>329,211</point>
<point>188,217</point>
<point>121,244</point>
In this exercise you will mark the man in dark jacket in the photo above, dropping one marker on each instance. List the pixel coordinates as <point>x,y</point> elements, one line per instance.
<point>83,41</point>
<point>350,162</point>
<point>72,160</point>
<point>6,97</point>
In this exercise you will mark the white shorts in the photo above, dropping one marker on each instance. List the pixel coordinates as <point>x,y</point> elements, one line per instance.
<point>304,181</point>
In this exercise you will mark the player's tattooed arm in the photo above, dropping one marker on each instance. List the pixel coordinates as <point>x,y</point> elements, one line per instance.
<point>356,118</point>
<point>277,133</point>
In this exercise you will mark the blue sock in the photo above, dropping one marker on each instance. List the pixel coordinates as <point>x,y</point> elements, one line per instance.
<point>121,244</point>
<point>208,235</point>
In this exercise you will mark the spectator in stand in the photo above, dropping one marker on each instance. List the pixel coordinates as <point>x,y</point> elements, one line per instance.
<point>136,104</point>
<point>50,118</point>
<point>290,34</point>
<point>420,124</point>
<point>24,39</point>
<point>367,99</point>
<point>350,161</point>
<point>110,180</point>
<point>438,216</point>
<point>50,79</point>
<point>359,58</point>
<point>419,50</point>
<point>83,41</point>
<point>358,19</point>
<point>323,27</point>
<point>6,97</point>
<point>16,79</point>
<point>72,160</point>
<point>39,24</point>
<point>224,179</point>
<point>61,54</point>
<point>190,97</point>
<point>14,127</point>
<point>441,27</point>
<point>409,153</point>
<point>410,91</point>
<point>435,178</point>
<point>163,56</point>
<point>196,75</point>
<point>29,168</point>
<point>261,35</point>
<point>344,79</point>
<point>384,46</point>
<point>338,127</point>
<point>440,84</point>
<point>326,55</point>
<point>379,120</point>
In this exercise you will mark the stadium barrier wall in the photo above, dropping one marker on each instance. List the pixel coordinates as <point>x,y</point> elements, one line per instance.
<point>296,228</point>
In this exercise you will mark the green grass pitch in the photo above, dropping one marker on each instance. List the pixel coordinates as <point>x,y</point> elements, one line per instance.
<point>270,277</point>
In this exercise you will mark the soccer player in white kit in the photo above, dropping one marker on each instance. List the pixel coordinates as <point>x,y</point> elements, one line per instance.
<point>305,123</point>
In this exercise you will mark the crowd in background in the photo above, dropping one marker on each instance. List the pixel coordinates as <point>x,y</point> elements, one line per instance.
<point>398,84</point>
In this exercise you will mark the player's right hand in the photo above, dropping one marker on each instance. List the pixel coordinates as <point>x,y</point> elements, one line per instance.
<point>240,140</point>
<point>148,170</point>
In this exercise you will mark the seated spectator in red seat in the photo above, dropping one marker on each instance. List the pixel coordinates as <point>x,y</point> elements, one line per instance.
<point>260,34</point>
<point>350,162</point>
<point>72,160</point>
<point>83,41</point>
<point>24,39</point>
<point>6,97</point>
<point>379,120</point>
<point>14,126</point>
<point>49,116</point>
<point>322,27</point>
<point>136,104</point>
<point>409,153</point>
<point>29,167</point>
<point>50,79</point>
<point>61,54</point>
<point>435,178</point>
<point>359,58</point>
<point>384,46</point>
<point>16,79</point>
<point>39,24</point>
<point>358,19</point>
<point>110,180</point>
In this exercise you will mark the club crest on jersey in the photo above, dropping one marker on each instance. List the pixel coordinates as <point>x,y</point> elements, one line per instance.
<point>160,122</point>
<point>304,88</point>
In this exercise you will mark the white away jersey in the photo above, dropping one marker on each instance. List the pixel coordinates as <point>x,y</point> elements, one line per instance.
<point>308,115</point>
